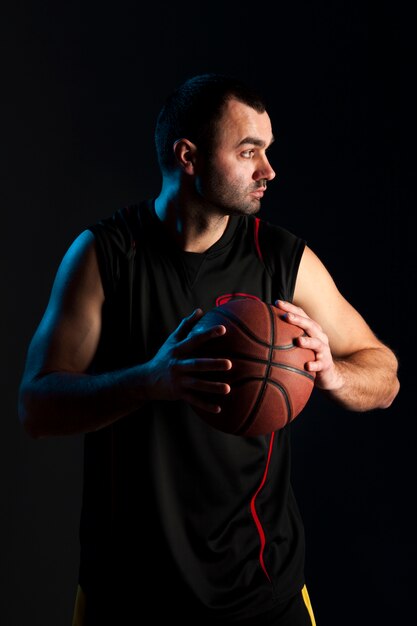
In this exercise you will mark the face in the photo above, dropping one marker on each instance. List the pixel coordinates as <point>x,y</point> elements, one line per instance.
<point>233,178</point>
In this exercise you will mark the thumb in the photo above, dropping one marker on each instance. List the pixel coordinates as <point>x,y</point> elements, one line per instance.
<point>186,325</point>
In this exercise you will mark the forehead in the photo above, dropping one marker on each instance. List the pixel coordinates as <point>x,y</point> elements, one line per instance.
<point>239,121</point>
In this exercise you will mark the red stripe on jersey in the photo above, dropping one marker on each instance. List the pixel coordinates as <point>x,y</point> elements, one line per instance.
<point>234,296</point>
<point>257,246</point>
<point>255,514</point>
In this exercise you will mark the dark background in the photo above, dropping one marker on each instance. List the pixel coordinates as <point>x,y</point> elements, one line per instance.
<point>82,86</point>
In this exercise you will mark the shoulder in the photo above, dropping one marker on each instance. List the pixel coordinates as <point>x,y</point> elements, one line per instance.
<point>80,254</point>
<point>313,276</point>
<point>78,276</point>
<point>118,230</point>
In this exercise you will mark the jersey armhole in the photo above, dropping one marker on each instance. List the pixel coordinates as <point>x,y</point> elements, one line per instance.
<point>115,245</point>
<point>280,251</point>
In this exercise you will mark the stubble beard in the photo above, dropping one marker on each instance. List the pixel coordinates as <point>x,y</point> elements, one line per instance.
<point>227,198</point>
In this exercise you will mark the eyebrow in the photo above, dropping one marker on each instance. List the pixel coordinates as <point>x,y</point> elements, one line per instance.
<point>254,141</point>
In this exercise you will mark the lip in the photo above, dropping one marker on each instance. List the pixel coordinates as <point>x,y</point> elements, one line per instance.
<point>259,193</point>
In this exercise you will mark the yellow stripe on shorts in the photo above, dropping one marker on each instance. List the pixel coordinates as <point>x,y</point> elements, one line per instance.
<point>79,608</point>
<point>307,602</point>
<point>80,602</point>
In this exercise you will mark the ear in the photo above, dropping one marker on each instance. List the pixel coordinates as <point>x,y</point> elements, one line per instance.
<point>185,153</point>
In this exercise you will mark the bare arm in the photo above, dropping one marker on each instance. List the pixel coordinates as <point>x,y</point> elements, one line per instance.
<point>58,397</point>
<point>352,365</point>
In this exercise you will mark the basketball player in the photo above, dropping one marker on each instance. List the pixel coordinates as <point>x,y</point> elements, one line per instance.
<point>177,517</point>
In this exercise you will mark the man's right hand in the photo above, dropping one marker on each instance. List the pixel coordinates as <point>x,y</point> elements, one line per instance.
<point>175,374</point>
<point>58,395</point>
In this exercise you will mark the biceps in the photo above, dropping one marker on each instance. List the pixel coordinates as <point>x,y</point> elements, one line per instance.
<point>317,294</point>
<point>64,343</point>
<point>68,344</point>
<point>346,329</point>
<point>69,332</point>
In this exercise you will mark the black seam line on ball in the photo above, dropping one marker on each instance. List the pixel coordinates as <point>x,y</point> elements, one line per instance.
<point>253,359</point>
<point>249,420</point>
<point>242,326</point>
<point>269,381</point>
<point>285,394</point>
<point>294,369</point>
<point>271,349</point>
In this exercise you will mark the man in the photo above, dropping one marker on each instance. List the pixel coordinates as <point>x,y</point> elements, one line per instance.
<point>167,525</point>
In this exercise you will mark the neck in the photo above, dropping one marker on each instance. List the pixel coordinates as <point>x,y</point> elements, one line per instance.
<point>193,226</point>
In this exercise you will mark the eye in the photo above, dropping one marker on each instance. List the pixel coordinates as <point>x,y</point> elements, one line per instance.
<point>247,154</point>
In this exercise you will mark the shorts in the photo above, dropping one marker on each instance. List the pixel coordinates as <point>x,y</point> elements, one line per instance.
<point>297,611</point>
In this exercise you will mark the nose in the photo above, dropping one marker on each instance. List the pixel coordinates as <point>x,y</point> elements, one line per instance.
<point>264,170</point>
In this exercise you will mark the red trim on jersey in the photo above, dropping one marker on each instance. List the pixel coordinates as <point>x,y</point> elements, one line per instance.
<point>234,296</point>
<point>255,514</point>
<point>257,246</point>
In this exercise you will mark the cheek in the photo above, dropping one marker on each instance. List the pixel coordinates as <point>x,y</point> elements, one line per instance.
<point>235,172</point>
<point>227,175</point>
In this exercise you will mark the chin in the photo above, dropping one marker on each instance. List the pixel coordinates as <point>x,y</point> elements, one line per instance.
<point>250,209</point>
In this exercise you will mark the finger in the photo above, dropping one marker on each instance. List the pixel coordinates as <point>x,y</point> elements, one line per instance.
<point>204,365</point>
<point>315,366</point>
<point>206,386</point>
<point>306,323</point>
<point>313,343</point>
<point>197,339</point>
<point>187,324</point>
<point>288,306</point>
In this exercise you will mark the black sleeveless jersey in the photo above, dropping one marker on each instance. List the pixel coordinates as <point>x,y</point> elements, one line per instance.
<point>177,516</point>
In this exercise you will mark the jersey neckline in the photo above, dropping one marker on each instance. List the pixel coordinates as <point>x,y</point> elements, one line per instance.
<point>218,247</point>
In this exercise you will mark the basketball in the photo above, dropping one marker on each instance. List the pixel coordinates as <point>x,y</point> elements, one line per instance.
<point>269,383</point>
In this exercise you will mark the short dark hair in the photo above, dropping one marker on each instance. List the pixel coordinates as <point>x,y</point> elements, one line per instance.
<point>193,109</point>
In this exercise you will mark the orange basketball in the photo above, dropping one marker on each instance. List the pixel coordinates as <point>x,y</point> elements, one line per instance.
<point>269,383</point>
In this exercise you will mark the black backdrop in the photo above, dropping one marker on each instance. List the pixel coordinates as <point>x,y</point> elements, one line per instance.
<point>82,86</point>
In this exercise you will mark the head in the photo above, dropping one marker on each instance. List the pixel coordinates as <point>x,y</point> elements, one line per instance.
<point>206,120</point>
<point>193,110</point>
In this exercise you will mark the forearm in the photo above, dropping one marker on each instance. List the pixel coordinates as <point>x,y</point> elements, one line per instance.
<point>65,403</point>
<point>366,380</point>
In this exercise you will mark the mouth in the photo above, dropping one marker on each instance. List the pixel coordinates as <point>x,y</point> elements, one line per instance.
<point>258,193</point>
